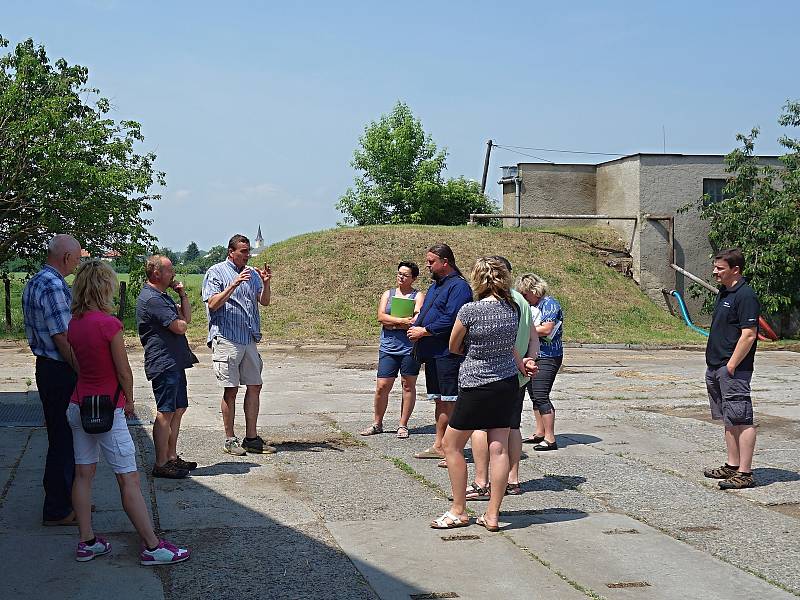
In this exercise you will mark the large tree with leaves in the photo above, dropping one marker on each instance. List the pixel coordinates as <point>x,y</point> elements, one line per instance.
<point>401,181</point>
<point>65,165</point>
<point>761,215</point>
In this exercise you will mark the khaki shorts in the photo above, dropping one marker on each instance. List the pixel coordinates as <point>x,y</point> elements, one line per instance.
<point>116,444</point>
<point>235,364</point>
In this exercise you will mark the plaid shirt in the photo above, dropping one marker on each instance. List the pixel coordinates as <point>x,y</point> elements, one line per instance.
<point>46,303</point>
<point>238,320</point>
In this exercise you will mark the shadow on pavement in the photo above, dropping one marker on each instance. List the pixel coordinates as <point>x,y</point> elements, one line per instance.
<point>522,519</point>
<point>246,542</point>
<point>768,475</point>
<point>307,447</point>
<point>224,468</point>
<point>553,483</point>
<point>576,439</point>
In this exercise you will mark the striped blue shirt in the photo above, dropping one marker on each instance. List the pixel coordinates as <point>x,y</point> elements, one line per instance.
<point>46,303</point>
<point>238,320</point>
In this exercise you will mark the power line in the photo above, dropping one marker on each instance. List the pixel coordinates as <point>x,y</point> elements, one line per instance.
<point>509,147</point>
<point>523,153</point>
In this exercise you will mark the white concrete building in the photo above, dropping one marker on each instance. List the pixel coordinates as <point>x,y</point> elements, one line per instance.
<point>649,189</point>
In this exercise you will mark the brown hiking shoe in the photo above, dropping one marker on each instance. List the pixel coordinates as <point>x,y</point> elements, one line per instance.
<point>169,470</point>
<point>738,482</point>
<point>724,472</point>
<point>189,465</point>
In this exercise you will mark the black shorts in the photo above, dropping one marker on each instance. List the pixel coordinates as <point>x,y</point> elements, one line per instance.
<point>489,406</point>
<point>441,377</point>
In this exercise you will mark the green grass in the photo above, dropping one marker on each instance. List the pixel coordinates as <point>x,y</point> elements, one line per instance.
<point>326,284</point>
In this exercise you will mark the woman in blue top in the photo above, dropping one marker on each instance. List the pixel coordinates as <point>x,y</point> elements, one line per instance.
<point>551,354</point>
<point>395,351</point>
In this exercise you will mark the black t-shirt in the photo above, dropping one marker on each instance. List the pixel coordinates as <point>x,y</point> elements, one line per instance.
<point>163,349</point>
<point>736,309</point>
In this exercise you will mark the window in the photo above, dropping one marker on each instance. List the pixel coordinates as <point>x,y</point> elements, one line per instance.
<point>713,188</point>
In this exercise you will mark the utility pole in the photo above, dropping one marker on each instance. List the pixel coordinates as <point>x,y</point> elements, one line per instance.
<point>486,166</point>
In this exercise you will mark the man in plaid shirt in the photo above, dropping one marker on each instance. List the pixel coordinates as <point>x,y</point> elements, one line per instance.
<point>46,303</point>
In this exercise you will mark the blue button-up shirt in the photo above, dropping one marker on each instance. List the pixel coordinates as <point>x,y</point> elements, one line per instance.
<point>442,303</point>
<point>46,303</point>
<point>238,320</point>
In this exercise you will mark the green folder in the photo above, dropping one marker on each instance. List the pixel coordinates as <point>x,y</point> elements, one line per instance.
<point>402,307</point>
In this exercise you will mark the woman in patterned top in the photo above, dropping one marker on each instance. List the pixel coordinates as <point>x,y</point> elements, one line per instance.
<point>551,355</point>
<point>485,330</point>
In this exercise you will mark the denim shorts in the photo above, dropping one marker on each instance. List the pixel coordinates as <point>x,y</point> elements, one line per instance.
<point>169,388</point>
<point>729,396</point>
<point>389,365</point>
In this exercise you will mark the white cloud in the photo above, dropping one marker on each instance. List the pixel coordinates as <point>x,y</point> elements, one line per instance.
<point>261,190</point>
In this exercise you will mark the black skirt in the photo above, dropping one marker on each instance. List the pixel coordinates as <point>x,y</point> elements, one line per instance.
<point>488,406</point>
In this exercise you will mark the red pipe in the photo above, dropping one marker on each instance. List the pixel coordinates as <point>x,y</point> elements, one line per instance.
<point>764,327</point>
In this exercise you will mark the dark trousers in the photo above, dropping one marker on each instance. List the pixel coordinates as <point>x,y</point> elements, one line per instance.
<point>56,380</point>
<point>539,387</point>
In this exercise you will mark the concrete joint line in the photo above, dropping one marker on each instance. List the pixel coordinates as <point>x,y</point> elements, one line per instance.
<point>15,467</point>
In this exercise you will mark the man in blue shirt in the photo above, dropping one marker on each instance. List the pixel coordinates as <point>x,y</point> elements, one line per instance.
<point>162,328</point>
<point>730,353</point>
<point>431,336</point>
<point>233,292</point>
<point>46,303</point>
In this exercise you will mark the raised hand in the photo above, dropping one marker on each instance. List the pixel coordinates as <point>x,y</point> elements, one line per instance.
<point>177,286</point>
<point>265,274</point>
<point>242,277</point>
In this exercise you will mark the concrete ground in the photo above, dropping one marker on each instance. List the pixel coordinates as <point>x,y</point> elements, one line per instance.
<point>621,510</point>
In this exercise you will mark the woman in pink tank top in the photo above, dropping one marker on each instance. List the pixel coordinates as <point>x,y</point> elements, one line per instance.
<point>103,369</point>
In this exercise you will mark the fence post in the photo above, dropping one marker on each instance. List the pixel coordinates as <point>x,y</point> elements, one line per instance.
<point>123,299</point>
<point>7,287</point>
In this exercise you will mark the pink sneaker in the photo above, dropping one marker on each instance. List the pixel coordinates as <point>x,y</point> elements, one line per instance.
<point>86,552</point>
<point>164,554</point>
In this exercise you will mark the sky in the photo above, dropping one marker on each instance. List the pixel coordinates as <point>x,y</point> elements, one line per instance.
<point>254,108</point>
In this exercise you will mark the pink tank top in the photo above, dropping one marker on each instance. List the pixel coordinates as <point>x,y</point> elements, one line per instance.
<point>90,337</point>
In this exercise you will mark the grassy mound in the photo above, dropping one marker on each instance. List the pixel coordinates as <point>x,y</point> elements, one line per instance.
<point>327,284</point>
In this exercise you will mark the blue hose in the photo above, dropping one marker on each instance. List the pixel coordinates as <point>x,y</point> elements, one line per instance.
<point>685,313</point>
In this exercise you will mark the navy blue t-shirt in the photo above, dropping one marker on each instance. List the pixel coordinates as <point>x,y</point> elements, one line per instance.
<point>736,309</point>
<point>163,349</point>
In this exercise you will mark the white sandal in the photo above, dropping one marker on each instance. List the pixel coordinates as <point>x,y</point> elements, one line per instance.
<point>449,521</point>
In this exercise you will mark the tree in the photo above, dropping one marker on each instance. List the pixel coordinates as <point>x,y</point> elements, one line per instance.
<point>401,180</point>
<point>169,253</point>
<point>192,253</point>
<point>65,166</point>
<point>761,215</point>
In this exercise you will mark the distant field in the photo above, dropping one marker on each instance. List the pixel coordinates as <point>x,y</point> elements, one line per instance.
<point>326,284</point>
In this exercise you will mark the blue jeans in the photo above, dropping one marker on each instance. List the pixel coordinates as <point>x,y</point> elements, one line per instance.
<point>56,381</point>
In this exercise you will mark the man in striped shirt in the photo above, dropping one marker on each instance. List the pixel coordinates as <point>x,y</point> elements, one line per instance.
<point>233,291</point>
<point>46,303</point>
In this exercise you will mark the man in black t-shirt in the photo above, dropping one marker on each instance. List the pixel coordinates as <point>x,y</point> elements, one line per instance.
<point>162,329</point>
<point>730,352</point>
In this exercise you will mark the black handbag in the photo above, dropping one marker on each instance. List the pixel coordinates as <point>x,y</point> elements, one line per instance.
<point>97,412</point>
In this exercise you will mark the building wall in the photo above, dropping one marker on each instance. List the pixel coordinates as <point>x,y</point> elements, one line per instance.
<point>618,195</point>
<point>553,189</point>
<point>668,182</point>
<point>637,185</point>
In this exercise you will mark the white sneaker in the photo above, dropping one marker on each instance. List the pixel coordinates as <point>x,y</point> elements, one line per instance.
<point>165,553</point>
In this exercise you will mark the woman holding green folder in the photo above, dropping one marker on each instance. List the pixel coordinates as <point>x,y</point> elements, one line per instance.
<point>396,311</point>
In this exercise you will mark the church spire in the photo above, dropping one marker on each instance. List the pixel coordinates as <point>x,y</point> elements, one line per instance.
<point>259,238</point>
